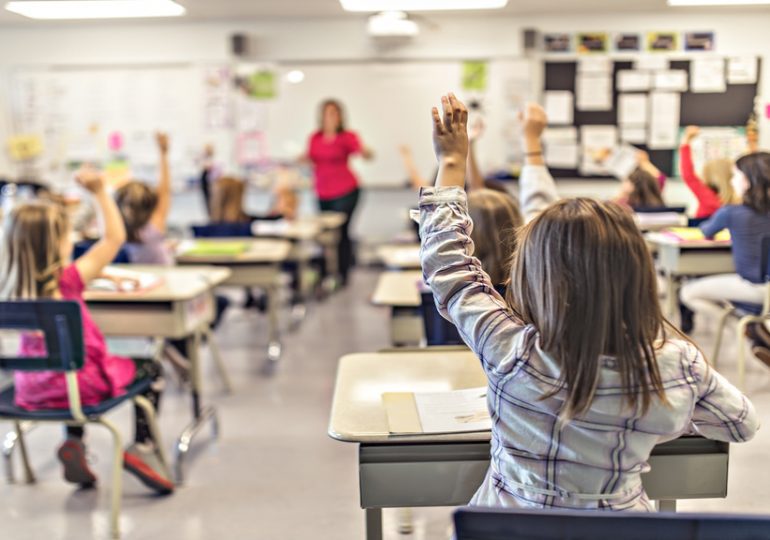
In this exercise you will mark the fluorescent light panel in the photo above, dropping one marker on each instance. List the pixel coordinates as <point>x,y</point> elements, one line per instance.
<point>686,3</point>
<point>420,5</point>
<point>95,9</point>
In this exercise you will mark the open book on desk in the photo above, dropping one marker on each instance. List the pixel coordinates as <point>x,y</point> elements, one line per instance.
<point>456,411</point>
<point>122,280</point>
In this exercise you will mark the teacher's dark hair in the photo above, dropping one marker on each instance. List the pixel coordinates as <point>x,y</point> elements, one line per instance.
<point>340,111</point>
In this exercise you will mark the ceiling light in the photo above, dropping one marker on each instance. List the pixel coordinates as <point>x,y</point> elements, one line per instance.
<point>420,5</point>
<point>718,2</point>
<point>392,24</point>
<point>295,76</point>
<point>95,9</point>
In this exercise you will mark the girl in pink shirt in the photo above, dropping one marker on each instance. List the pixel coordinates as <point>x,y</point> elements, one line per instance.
<point>35,263</point>
<point>336,185</point>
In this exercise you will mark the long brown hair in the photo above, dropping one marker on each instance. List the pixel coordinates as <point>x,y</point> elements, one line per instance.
<point>227,201</point>
<point>583,276</point>
<point>137,202</point>
<point>495,216</point>
<point>756,169</point>
<point>340,112</point>
<point>31,255</point>
<point>646,190</point>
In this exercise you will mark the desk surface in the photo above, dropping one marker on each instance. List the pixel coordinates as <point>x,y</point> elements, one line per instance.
<point>661,239</point>
<point>403,256</point>
<point>398,289</point>
<point>357,413</point>
<point>178,284</point>
<point>259,251</point>
<point>298,229</point>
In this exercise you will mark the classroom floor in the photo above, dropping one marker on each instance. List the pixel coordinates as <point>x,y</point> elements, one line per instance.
<point>274,473</point>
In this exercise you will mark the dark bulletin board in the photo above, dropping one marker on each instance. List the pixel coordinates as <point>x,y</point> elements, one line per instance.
<point>730,108</point>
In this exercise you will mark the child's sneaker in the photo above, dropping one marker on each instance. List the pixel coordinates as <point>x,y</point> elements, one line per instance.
<point>72,454</point>
<point>142,461</point>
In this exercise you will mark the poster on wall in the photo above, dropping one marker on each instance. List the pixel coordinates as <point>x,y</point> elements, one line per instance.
<point>699,41</point>
<point>474,76</point>
<point>662,41</point>
<point>557,43</point>
<point>628,42</point>
<point>592,42</point>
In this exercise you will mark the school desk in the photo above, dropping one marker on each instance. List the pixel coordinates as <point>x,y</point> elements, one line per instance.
<point>331,231</point>
<point>399,291</point>
<point>679,258</point>
<point>181,306</point>
<point>258,265</point>
<point>400,256</point>
<point>446,470</point>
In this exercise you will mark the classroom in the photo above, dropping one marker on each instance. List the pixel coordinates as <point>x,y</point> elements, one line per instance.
<point>385,269</point>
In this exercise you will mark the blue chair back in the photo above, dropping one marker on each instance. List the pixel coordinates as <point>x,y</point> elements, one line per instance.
<point>222,230</point>
<point>499,524</point>
<point>661,209</point>
<point>61,325</point>
<point>84,245</point>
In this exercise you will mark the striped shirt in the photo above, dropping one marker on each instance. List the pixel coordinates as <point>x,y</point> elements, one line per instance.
<point>596,460</point>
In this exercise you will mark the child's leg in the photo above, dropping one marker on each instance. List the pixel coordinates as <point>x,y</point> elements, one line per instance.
<point>141,458</point>
<point>709,294</point>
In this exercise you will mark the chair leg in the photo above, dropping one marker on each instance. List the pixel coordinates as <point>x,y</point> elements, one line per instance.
<point>217,355</point>
<point>117,477</point>
<point>29,476</point>
<point>742,325</point>
<point>720,332</point>
<point>152,420</point>
<point>9,443</point>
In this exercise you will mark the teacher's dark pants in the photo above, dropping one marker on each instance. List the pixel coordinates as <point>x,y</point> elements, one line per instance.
<point>347,205</point>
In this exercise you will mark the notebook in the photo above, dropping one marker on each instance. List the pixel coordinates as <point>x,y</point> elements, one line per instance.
<point>456,411</point>
<point>114,279</point>
<point>212,248</point>
<point>694,234</point>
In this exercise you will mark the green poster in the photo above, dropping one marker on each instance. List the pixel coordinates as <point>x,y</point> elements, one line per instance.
<point>262,85</point>
<point>475,76</point>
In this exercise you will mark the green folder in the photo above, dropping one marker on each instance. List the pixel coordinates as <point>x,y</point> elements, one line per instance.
<point>209,248</point>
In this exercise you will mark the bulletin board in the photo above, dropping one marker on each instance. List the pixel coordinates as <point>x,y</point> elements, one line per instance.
<point>730,108</point>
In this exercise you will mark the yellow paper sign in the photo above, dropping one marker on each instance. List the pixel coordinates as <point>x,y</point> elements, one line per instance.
<point>24,147</point>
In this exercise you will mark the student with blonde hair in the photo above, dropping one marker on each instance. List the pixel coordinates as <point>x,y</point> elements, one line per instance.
<point>585,375</point>
<point>714,190</point>
<point>35,263</point>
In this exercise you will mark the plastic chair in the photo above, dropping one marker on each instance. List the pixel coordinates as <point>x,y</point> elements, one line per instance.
<point>81,247</point>
<point>747,314</point>
<point>499,524</point>
<point>222,230</point>
<point>61,325</point>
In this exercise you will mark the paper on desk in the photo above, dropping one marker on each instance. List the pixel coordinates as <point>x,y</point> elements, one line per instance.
<point>664,120</point>
<point>742,70</point>
<point>633,134</point>
<point>278,227</point>
<point>594,91</point>
<point>708,75</point>
<point>674,80</point>
<point>455,411</point>
<point>561,148</point>
<point>122,280</point>
<point>629,80</point>
<point>558,106</point>
<point>632,109</point>
<point>592,140</point>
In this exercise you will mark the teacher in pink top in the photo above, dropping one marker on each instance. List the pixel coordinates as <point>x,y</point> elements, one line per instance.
<point>336,185</point>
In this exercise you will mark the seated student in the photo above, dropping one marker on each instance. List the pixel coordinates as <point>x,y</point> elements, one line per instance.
<point>714,191</point>
<point>496,218</point>
<point>747,223</point>
<point>35,263</point>
<point>585,375</point>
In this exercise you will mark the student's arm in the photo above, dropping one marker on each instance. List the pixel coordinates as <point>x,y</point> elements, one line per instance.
<point>537,189</point>
<point>463,293</point>
<point>643,159</point>
<point>415,178</point>
<point>160,215</point>
<point>721,411</point>
<point>475,178</point>
<point>718,222</point>
<point>706,197</point>
<point>102,253</point>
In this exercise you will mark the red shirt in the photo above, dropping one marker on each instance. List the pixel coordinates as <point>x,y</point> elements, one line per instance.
<point>708,200</point>
<point>333,177</point>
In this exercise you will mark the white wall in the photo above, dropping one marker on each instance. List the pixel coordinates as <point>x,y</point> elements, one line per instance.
<point>308,40</point>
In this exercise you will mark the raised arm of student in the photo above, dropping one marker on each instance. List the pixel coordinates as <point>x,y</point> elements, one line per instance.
<point>537,189</point>
<point>102,253</point>
<point>708,200</point>
<point>643,160</point>
<point>416,179</point>
<point>721,412</point>
<point>475,177</point>
<point>160,215</point>
<point>464,293</point>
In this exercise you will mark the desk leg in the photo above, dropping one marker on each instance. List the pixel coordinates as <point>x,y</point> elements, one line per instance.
<point>374,524</point>
<point>667,505</point>
<point>201,414</point>
<point>274,347</point>
<point>299,302</point>
<point>216,354</point>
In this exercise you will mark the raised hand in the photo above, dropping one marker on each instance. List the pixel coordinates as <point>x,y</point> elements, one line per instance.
<point>534,121</point>
<point>90,178</point>
<point>690,133</point>
<point>161,140</point>
<point>477,130</point>
<point>450,141</point>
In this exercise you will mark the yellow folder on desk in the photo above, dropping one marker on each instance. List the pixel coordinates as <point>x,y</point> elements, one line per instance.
<point>690,234</point>
<point>402,412</point>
